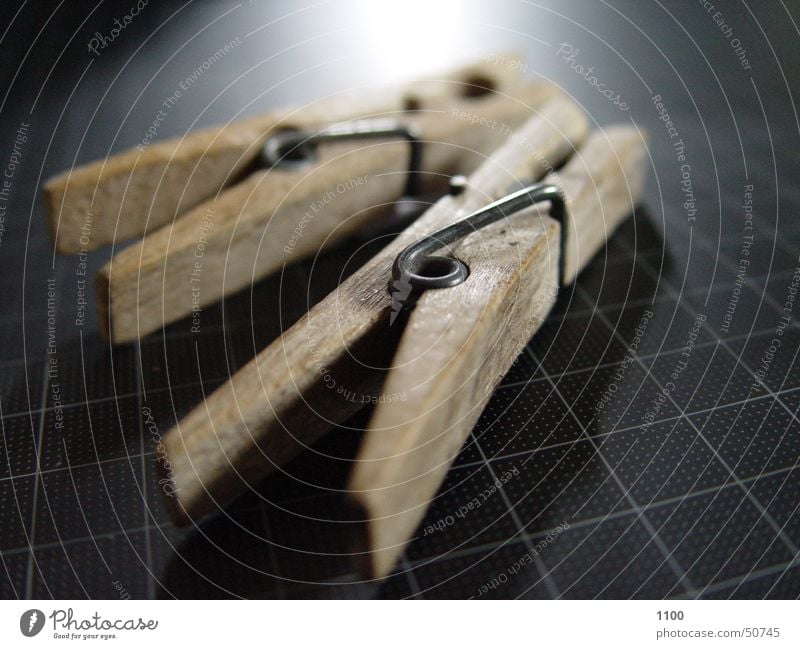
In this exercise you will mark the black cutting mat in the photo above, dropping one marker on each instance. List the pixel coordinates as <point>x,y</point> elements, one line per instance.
<point>693,495</point>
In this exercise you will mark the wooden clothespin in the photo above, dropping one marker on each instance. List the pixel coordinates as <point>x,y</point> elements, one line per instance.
<point>222,207</point>
<point>432,371</point>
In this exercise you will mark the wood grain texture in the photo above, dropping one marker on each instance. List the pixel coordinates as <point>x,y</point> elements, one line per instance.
<point>603,182</point>
<point>328,364</point>
<point>461,341</point>
<point>136,191</point>
<point>250,230</point>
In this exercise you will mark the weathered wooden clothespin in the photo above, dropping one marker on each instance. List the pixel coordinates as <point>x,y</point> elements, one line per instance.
<point>223,207</point>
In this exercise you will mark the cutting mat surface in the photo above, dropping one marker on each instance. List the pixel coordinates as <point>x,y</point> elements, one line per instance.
<point>645,444</point>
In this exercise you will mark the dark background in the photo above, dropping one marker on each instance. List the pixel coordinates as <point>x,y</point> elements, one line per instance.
<point>701,504</point>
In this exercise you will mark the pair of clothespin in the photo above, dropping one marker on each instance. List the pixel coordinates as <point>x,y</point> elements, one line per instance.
<point>221,208</point>
<point>424,331</point>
